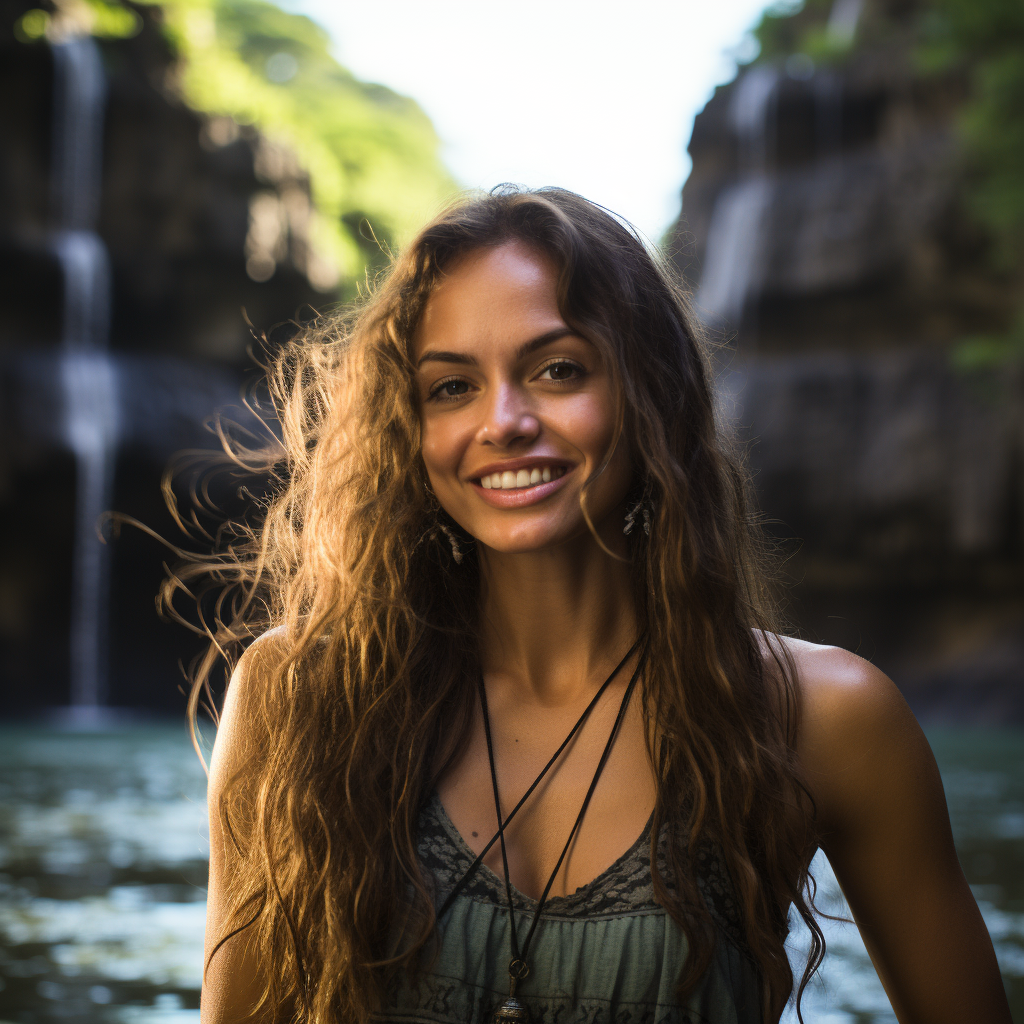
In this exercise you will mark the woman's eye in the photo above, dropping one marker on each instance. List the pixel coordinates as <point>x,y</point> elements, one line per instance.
<point>447,389</point>
<point>561,371</point>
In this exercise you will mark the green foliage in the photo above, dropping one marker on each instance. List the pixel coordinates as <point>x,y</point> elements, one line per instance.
<point>113,20</point>
<point>986,39</point>
<point>106,20</point>
<point>983,351</point>
<point>372,155</point>
<point>32,25</point>
<point>799,26</point>
<point>824,46</point>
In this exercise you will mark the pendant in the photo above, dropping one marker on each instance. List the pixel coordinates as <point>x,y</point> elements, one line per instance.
<point>511,1012</point>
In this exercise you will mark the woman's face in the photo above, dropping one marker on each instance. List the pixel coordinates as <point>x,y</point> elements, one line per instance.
<point>517,411</point>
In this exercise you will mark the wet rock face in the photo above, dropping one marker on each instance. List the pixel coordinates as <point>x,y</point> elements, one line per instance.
<point>201,218</point>
<point>850,220</point>
<point>888,460</point>
<point>831,249</point>
<point>136,239</point>
<point>857,180</point>
<point>824,230</point>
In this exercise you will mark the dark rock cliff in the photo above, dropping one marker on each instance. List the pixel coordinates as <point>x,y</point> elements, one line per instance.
<point>182,202</point>
<point>200,230</point>
<point>825,233</point>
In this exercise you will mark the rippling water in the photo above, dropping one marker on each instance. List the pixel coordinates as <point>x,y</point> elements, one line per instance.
<point>103,851</point>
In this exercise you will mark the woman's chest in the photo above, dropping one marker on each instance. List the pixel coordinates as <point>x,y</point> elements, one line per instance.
<point>609,951</point>
<point>619,807</point>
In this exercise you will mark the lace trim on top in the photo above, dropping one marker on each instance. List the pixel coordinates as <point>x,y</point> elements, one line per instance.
<point>624,888</point>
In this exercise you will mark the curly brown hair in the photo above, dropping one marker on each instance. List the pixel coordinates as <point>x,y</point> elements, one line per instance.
<point>367,697</point>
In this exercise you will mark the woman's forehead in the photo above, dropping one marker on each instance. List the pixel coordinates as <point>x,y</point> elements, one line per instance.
<point>488,293</point>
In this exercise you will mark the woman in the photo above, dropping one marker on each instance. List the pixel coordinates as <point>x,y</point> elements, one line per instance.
<point>508,535</point>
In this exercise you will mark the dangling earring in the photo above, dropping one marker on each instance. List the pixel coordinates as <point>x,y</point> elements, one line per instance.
<point>641,507</point>
<point>454,541</point>
<point>436,519</point>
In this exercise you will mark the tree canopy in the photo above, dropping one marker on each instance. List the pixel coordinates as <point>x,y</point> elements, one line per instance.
<point>372,155</point>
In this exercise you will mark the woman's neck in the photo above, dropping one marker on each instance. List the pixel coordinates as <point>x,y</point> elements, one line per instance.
<point>553,621</point>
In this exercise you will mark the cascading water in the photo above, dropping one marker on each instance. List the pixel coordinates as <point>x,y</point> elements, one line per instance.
<point>749,114</point>
<point>734,248</point>
<point>732,261</point>
<point>734,258</point>
<point>843,19</point>
<point>88,376</point>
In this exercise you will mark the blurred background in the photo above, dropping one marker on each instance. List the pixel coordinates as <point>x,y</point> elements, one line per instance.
<point>839,182</point>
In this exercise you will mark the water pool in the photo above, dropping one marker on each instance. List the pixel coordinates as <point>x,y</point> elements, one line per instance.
<point>103,847</point>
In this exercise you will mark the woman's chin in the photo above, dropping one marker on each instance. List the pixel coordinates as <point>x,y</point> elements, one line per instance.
<point>533,539</point>
<point>521,548</point>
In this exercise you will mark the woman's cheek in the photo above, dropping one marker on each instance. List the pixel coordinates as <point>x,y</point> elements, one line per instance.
<point>436,447</point>
<point>444,442</point>
<point>590,426</point>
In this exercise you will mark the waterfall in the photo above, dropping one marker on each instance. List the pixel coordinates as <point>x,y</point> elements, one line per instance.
<point>843,20</point>
<point>86,292</point>
<point>88,375</point>
<point>734,254</point>
<point>749,113</point>
<point>79,94</point>
<point>91,427</point>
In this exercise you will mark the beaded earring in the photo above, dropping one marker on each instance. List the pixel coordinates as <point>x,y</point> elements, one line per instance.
<point>639,509</point>
<point>454,541</point>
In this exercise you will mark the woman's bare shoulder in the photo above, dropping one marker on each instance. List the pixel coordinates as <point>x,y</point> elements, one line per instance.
<point>242,726</point>
<point>857,734</point>
<point>841,691</point>
<point>880,816</point>
<point>836,687</point>
<point>256,661</point>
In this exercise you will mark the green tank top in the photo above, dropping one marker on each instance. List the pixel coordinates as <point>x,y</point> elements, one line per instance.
<point>607,952</point>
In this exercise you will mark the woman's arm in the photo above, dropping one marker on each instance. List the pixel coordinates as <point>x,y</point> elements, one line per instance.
<point>233,981</point>
<point>885,829</point>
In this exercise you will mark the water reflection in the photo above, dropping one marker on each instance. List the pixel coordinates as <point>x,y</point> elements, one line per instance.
<point>983,775</point>
<point>103,856</point>
<point>103,851</point>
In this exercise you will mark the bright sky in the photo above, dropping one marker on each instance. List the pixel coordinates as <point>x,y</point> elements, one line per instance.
<point>595,96</point>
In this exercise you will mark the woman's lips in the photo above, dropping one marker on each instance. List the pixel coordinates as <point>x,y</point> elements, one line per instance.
<point>517,497</point>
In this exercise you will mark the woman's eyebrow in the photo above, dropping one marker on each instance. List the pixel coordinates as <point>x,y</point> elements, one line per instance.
<point>434,356</point>
<point>541,340</point>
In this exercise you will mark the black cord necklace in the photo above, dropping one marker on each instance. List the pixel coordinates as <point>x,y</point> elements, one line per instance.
<point>471,870</point>
<point>512,1010</point>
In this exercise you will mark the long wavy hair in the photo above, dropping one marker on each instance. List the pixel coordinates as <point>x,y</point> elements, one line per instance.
<point>364,696</point>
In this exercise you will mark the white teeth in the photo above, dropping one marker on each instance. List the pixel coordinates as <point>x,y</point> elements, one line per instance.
<point>510,480</point>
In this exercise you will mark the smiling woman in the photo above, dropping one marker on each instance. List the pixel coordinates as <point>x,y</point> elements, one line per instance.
<point>501,753</point>
<point>516,403</point>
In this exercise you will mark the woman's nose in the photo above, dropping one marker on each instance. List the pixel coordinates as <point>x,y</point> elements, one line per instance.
<point>507,419</point>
